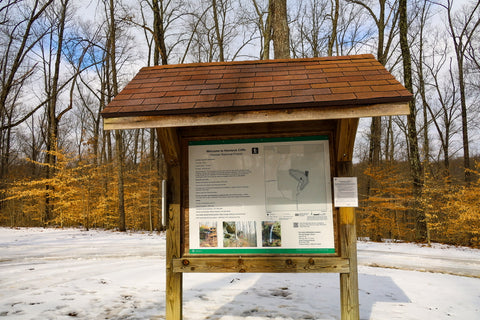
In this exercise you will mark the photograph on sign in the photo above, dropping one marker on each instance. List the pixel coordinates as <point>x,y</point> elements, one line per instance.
<point>264,196</point>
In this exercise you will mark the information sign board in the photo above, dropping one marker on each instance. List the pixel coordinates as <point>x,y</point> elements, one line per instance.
<point>260,196</point>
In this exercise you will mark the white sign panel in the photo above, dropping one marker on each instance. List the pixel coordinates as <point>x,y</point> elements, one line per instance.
<point>260,196</point>
<point>345,192</point>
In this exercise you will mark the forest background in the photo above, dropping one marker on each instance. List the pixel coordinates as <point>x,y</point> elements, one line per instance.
<point>62,61</point>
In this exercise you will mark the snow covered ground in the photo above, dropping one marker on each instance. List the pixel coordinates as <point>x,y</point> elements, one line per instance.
<point>68,274</point>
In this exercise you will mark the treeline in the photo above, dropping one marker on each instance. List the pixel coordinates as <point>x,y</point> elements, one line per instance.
<point>449,206</point>
<point>62,62</point>
<point>83,194</point>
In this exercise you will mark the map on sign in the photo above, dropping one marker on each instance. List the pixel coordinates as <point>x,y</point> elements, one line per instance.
<point>294,177</point>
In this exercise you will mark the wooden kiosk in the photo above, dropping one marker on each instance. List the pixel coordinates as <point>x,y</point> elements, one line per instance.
<point>251,149</point>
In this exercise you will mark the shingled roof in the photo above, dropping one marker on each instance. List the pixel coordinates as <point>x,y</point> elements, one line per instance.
<point>257,85</point>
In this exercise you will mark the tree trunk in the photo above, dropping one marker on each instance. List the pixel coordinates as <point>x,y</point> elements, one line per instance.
<point>111,56</point>
<point>281,33</point>
<point>218,34</point>
<point>52,121</point>
<point>120,176</point>
<point>333,37</point>
<point>414,154</point>
<point>159,34</point>
<point>267,33</point>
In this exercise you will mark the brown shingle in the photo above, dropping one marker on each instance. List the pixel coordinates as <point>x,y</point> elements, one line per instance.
<point>351,89</point>
<point>272,94</point>
<point>257,85</point>
<point>297,99</point>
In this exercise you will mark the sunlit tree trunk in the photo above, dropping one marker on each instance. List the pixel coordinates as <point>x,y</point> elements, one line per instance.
<point>280,30</point>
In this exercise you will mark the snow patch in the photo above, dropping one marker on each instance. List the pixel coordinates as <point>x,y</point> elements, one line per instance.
<point>74,274</point>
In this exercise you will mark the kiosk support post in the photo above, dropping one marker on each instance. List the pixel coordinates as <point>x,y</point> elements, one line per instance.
<point>349,281</point>
<point>174,280</point>
<point>346,131</point>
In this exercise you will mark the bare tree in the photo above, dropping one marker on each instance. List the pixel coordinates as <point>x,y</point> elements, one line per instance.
<point>443,105</point>
<point>215,31</point>
<point>385,17</point>
<point>59,88</point>
<point>112,88</point>
<point>51,52</point>
<point>329,27</point>
<point>334,14</point>
<point>314,35</point>
<point>263,21</point>
<point>419,61</point>
<point>414,153</point>
<point>218,9</point>
<point>462,29</point>
<point>17,26</point>
<point>272,22</point>
<point>159,10</point>
<point>165,14</point>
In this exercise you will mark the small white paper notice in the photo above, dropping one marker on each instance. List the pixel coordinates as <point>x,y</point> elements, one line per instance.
<point>345,192</point>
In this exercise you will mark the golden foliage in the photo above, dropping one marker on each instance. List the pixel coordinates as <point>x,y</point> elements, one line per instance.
<point>383,212</point>
<point>452,211</point>
<point>82,194</point>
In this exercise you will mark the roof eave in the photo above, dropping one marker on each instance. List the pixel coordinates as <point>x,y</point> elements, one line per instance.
<point>255,116</point>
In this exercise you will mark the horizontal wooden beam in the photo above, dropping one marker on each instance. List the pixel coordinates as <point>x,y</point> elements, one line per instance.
<point>277,115</point>
<point>282,264</point>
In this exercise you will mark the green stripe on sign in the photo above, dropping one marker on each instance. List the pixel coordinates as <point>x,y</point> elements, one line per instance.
<point>263,251</point>
<point>259,140</point>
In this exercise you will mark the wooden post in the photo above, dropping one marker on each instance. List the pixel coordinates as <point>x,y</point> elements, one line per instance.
<point>349,281</point>
<point>174,280</point>
<point>346,130</point>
